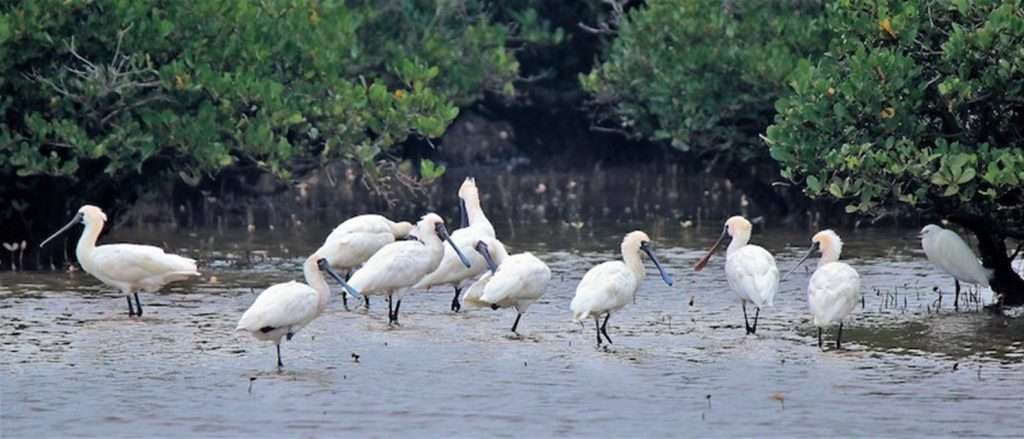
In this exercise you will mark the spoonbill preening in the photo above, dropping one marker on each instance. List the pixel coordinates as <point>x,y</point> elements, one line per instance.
<point>512,281</point>
<point>127,267</point>
<point>356,239</point>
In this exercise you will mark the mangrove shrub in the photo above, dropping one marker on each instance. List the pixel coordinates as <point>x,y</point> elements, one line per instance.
<point>916,106</point>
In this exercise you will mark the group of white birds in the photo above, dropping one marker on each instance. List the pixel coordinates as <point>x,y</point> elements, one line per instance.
<point>386,258</point>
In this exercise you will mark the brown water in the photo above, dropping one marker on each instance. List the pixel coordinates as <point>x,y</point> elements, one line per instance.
<point>74,364</point>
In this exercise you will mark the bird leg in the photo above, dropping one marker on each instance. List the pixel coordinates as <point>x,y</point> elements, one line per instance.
<point>366,303</point>
<point>604,328</point>
<point>391,311</point>
<point>597,329</point>
<point>753,330</point>
<point>138,304</point>
<point>839,335</point>
<point>398,304</point>
<point>279,363</point>
<point>516,324</point>
<point>956,298</point>
<point>820,344</point>
<point>746,322</point>
<point>131,310</point>
<point>456,306</point>
<point>344,295</point>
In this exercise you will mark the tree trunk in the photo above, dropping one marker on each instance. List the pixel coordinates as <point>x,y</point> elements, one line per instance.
<point>1006,283</point>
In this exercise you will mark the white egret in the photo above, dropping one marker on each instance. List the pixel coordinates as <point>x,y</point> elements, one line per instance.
<point>285,308</point>
<point>398,266</point>
<point>834,290</point>
<point>476,226</point>
<point>609,286</point>
<point>513,281</point>
<point>127,267</point>
<point>750,269</point>
<point>355,240</point>
<point>951,254</point>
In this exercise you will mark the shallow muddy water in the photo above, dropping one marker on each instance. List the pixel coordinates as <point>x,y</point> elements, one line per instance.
<point>74,364</point>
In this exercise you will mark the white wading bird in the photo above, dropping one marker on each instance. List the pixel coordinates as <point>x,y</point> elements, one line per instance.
<point>750,269</point>
<point>513,281</point>
<point>475,227</point>
<point>355,240</point>
<point>834,290</point>
<point>951,254</point>
<point>285,308</point>
<point>398,266</point>
<point>611,285</point>
<point>127,267</point>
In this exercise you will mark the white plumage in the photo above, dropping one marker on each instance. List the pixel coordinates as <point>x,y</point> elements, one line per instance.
<point>127,267</point>
<point>951,254</point>
<point>285,308</point>
<point>834,289</point>
<point>749,269</point>
<point>609,286</point>
<point>451,271</point>
<point>515,282</point>
<point>398,266</point>
<point>354,241</point>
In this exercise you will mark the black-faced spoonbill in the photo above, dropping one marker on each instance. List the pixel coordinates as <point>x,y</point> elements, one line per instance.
<point>398,266</point>
<point>834,290</point>
<point>285,308</point>
<point>476,226</point>
<point>353,242</point>
<point>750,269</point>
<point>513,281</point>
<point>127,267</point>
<point>611,285</point>
<point>951,254</point>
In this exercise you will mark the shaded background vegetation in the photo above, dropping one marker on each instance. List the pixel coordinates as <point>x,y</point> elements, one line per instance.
<point>883,108</point>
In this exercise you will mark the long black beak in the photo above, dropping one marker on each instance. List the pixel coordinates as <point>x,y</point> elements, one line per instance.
<point>324,266</point>
<point>77,219</point>
<point>704,261</point>
<point>646,247</point>
<point>481,247</point>
<point>443,233</point>
<point>801,261</point>
<point>463,214</point>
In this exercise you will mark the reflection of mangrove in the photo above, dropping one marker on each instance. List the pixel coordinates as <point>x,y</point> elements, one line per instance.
<point>666,195</point>
<point>897,297</point>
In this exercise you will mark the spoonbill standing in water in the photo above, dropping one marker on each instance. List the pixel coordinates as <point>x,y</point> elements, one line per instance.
<point>475,227</point>
<point>834,290</point>
<point>513,281</point>
<point>398,266</point>
<point>285,308</point>
<point>609,286</point>
<point>750,269</point>
<point>951,254</point>
<point>127,267</point>
<point>355,240</point>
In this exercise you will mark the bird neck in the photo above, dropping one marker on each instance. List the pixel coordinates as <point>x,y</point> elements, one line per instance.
<point>828,255</point>
<point>315,279</point>
<point>631,257</point>
<point>741,239</point>
<point>87,242</point>
<point>474,212</point>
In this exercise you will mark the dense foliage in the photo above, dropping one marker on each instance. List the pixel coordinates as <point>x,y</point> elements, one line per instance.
<point>919,105</point>
<point>704,75</point>
<point>108,88</point>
